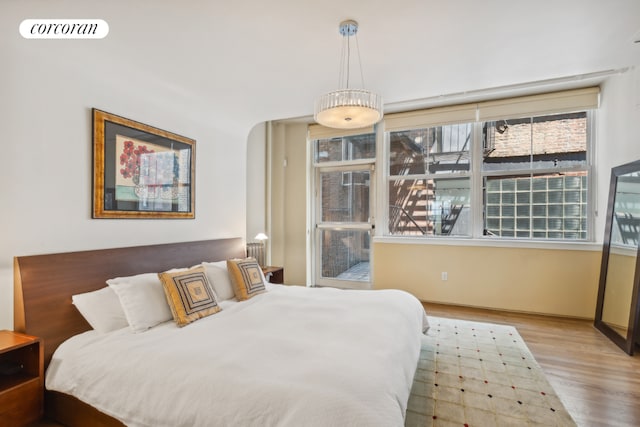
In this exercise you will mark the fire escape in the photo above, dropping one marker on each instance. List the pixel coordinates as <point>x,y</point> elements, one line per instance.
<point>412,213</point>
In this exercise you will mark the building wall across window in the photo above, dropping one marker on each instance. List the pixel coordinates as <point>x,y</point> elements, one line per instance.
<point>536,177</point>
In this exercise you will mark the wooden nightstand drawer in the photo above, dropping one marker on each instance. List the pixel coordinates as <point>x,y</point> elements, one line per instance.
<point>21,379</point>
<point>22,404</point>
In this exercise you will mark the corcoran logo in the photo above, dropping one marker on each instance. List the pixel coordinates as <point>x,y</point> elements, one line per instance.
<point>64,29</point>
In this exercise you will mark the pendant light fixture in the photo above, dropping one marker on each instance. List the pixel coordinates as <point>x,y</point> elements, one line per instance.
<point>348,108</point>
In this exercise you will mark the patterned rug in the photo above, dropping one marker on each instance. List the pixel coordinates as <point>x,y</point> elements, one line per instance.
<point>480,374</point>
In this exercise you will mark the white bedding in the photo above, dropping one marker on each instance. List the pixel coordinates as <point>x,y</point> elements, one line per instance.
<point>292,356</point>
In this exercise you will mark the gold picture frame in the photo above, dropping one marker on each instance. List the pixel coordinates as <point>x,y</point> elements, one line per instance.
<point>141,172</point>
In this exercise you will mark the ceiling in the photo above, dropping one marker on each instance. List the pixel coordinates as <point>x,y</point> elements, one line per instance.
<point>250,61</point>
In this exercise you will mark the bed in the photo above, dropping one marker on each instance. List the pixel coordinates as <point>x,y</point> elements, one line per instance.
<point>287,356</point>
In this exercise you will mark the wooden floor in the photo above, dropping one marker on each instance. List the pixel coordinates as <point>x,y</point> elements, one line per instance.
<point>598,383</point>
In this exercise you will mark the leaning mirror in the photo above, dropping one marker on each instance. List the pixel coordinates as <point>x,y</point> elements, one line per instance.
<point>618,312</point>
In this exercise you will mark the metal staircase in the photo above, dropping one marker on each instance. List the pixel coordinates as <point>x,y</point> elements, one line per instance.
<point>409,214</point>
<point>450,219</point>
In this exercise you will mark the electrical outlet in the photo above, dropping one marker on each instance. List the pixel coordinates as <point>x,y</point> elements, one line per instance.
<point>445,276</point>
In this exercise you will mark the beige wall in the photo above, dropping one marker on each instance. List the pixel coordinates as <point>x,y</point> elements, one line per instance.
<point>562,282</point>
<point>288,200</point>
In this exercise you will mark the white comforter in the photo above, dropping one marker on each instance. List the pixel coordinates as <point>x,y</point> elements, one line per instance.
<point>292,356</point>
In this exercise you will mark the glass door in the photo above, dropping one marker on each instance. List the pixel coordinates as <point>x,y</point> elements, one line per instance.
<point>344,226</point>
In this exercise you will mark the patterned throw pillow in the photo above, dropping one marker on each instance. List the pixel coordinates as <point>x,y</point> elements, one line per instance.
<point>189,294</point>
<point>246,277</point>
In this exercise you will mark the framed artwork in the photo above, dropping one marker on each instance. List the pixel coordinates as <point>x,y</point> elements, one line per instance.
<point>140,171</point>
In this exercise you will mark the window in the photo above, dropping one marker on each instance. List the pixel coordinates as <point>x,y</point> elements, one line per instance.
<point>429,181</point>
<point>535,176</point>
<point>343,149</point>
<point>516,168</point>
<point>343,184</point>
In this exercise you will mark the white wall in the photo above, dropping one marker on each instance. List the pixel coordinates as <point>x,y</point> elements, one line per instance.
<point>618,134</point>
<point>256,181</point>
<point>47,90</point>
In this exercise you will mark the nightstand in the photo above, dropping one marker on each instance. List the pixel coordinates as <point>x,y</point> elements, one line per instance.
<point>274,274</point>
<point>21,378</point>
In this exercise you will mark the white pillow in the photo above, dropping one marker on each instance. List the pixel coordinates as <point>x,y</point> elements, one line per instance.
<point>219,278</point>
<point>101,309</point>
<point>143,300</point>
<point>221,264</point>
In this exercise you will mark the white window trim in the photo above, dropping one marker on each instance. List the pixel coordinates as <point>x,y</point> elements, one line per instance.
<point>477,176</point>
<point>588,168</point>
<point>477,206</point>
<point>338,164</point>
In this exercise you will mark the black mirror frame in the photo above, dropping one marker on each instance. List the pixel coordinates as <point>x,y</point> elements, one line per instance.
<point>629,342</point>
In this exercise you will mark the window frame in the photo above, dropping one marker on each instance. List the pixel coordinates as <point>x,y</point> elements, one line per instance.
<point>477,177</point>
<point>316,223</point>
<point>430,176</point>
<point>585,99</point>
<point>531,172</point>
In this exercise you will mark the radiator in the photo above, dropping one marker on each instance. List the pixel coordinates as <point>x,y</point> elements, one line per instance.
<point>256,250</point>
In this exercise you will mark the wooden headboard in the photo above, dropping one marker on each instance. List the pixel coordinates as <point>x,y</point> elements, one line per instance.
<point>44,284</point>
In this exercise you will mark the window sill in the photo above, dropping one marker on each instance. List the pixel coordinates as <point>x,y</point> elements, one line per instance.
<point>491,242</point>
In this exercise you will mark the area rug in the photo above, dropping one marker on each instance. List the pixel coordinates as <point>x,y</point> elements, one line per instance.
<point>480,374</point>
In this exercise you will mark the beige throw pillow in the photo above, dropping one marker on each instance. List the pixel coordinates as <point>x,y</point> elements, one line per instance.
<point>246,277</point>
<point>189,294</point>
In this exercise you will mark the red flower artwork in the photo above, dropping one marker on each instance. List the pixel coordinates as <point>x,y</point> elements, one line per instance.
<point>130,160</point>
